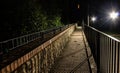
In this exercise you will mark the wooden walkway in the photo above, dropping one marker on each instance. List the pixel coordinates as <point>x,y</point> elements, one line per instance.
<point>74,58</point>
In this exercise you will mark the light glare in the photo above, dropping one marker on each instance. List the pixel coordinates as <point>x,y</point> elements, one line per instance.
<point>93,19</point>
<point>114,15</point>
<point>78,6</point>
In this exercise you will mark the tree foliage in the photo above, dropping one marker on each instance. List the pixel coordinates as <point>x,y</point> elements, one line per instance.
<point>28,16</point>
<point>39,18</point>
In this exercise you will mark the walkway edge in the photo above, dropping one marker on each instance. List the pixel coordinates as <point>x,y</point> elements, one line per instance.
<point>91,59</point>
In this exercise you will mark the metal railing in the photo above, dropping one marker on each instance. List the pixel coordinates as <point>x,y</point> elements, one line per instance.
<point>6,46</point>
<point>105,49</point>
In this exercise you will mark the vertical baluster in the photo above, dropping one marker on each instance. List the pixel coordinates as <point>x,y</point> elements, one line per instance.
<point>108,68</point>
<point>118,71</point>
<point>106,54</point>
<point>116,57</point>
<point>37,35</point>
<point>13,43</point>
<point>103,52</point>
<point>114,43</point>
<point>17,42</point>
<point>107,40</point>
<point>54,31</point>
<point>24,39</point>
<point>30,37</point>
<point>20,40</point>
<point>111,55</point>
<point>27,38</point>
<point>100,49</point>
<point>33,37</point>
<point>1,51</point>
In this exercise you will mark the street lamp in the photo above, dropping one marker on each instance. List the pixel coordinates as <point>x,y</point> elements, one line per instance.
<point>78,6</point>
<point>93,19</point>
<point>113,15</point>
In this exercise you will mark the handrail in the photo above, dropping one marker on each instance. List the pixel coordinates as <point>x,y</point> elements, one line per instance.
<point>6,46</point>
<point>105,50</point>
<point>104,33</point>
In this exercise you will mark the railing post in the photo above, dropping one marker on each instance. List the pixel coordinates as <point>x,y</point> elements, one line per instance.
<point>42,35</point>
<point>13,44</point>
<point>105,49</point>
<point>54,31</point>
<point>118,68</point>
<point>4,48</point>
<point>98,52</point>
<point>8,45</point>
<point>1,52</point>
<point>26,38</point>
<point>60,29</point>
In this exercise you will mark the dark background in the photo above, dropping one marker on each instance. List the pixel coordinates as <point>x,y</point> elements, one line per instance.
<point>16,14</point>
<point>13,13</point>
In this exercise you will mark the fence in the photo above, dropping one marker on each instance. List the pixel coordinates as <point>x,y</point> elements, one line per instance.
<point>11,44</point>
<point>105,49</point>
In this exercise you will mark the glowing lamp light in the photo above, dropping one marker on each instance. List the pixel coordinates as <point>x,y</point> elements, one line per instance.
<point>113,15</point>
<point>93,19</point>
<point>78,6</point>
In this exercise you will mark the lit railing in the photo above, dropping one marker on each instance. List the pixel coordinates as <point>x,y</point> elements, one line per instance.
<point>6,46</point>
<point>105,49</point>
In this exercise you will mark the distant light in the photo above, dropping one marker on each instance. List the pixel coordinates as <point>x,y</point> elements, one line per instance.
<point>93,19</point>
<point>78,6</point>
<point>113,15</point>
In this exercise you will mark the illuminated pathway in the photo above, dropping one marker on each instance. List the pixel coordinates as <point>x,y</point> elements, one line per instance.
<point>74,58</point>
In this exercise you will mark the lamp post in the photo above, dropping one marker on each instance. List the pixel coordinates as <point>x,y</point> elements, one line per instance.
<point>88,20</point>
<point>93,19</point>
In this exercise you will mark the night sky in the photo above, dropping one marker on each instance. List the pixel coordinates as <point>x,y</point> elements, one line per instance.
<point>92,7</point>
<point>101,9</point>
<point>69,7</point>
<point>70,12</point>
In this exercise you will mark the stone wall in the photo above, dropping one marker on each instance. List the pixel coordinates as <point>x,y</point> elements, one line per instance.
<point>41,58</point>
